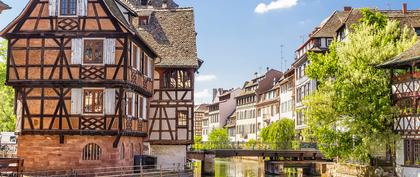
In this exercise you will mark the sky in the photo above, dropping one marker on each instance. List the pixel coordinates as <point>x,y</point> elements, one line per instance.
<point>237,38</point>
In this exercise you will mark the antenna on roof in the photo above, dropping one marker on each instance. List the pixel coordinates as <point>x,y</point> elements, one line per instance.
<point>281,57</point>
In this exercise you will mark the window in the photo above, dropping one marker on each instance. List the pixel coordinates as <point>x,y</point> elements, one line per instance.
<point>68,7</point>
<point>92,152</point>
<point>143,2</point>
<point>177,79</point>
<point>182,118</point>
<point>143,21</point>
<point>122,151</point>
<point>135,57</point>
<point>130,106</point>
<point>412,152</point>
<point>93,101</point>
<point>417,31</point>
<point>93,52</point>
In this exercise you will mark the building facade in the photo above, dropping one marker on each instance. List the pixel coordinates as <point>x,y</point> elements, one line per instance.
<point>287,95</point>
<point>170,31</point>
<point>82,85</point>
<point>199,114</point>
<point>405,83</point>
<point>222,108</point>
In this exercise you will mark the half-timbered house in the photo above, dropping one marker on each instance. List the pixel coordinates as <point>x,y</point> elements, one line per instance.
<point>170,30</point>
<point>83,79</point>
<point>405,83</point>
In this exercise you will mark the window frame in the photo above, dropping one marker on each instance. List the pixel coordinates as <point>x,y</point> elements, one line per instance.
<point>84,101</point>
<point>410,153</point>
<point>87,155</point>
<point>67,15</point>
<point>169,74</point>
<point>103,51</point>
<point>178,112</point>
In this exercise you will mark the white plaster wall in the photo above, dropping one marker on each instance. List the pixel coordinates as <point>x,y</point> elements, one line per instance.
<point>246,122</point>
<point>284,98</point>
<point>409,172</point>
<point>169,155</point>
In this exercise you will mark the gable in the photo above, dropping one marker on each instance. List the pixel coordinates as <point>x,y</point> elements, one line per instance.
<point>37,17</point>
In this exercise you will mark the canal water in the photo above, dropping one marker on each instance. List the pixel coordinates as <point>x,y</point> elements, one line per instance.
<point>236,167</point>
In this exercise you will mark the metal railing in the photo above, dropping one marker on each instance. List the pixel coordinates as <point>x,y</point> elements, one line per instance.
<point>175,170</point>
<point>253,146</point>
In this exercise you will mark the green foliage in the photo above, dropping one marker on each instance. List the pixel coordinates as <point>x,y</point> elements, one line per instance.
<point>7,117</point>
<point>351,112</point>
<point>251,144</point>
<point>198,143</point>
<point>280,134</point>
<point>218,139</point>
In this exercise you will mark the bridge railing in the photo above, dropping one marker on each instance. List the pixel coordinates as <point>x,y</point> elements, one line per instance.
<point>253,146</point>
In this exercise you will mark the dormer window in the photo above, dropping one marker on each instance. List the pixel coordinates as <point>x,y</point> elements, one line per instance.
<point>68,7</point>
<point>143,21</point>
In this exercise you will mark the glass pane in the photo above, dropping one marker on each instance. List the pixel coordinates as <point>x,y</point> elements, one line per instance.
<point>98,102</point>
<point>93,52</point>
<point>88,101</point>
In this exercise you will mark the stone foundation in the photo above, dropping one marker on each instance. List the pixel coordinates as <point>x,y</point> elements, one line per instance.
<point>42,153</point>
<point>169,155</point>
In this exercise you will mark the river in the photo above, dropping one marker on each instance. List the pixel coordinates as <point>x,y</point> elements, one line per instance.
<point>236,167</point>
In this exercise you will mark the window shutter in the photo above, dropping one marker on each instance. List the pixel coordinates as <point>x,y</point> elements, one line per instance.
<point>82,7</point>
<point>109,45</point>
<point>150,69</point>
<point>109,101</point>
<point>144,108</point>
<point>53,7</point>
<point>76,101</point>
<point>76,51</point>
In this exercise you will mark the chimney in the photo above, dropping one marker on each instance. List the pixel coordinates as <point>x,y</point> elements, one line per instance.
<point>347,8</point>
<point>268,69</point>
<point>164,4</point>
<point>256,74</point>
<point>214,93</point>
<point>404,8</point>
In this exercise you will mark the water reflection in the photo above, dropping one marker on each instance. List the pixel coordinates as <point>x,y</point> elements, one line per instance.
<point>236,167</point>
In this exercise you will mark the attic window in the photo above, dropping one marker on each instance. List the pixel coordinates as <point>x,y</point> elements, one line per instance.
<point>143,21</point>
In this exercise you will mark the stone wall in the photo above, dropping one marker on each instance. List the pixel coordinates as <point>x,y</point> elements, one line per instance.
<point>169,155</point>
<point>42,153</point>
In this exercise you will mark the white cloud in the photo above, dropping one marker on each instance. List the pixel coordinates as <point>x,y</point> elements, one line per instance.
<point>204,78</point>
<point>275,5</point>
<point>203,96</point>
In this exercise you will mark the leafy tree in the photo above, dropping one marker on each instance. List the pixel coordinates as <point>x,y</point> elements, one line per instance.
<point>7,117</point>
<point>279,134</point>
<point>218,139</point>
<point>198,143</point>
<point>351,113</point>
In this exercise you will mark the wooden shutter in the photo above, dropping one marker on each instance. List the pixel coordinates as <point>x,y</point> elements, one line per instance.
<point>53,7</point>
<point>76,101</point>
<point>82,7</point>
<point>76,51</point>
<point>144,108</point>
<point>109,101</point>
<point>109,52</point>
<point>150,68</point>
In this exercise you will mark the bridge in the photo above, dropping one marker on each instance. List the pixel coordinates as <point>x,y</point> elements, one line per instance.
<point>306,156</point>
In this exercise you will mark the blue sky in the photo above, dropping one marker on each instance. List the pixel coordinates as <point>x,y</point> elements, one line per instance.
<point>235,41</point>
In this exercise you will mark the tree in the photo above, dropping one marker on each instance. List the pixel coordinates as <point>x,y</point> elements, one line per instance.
<point>7,116</point>
<point>351,113</point>
<point>218,139</point>
<point>279,134</point>
<point>198,144</point>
